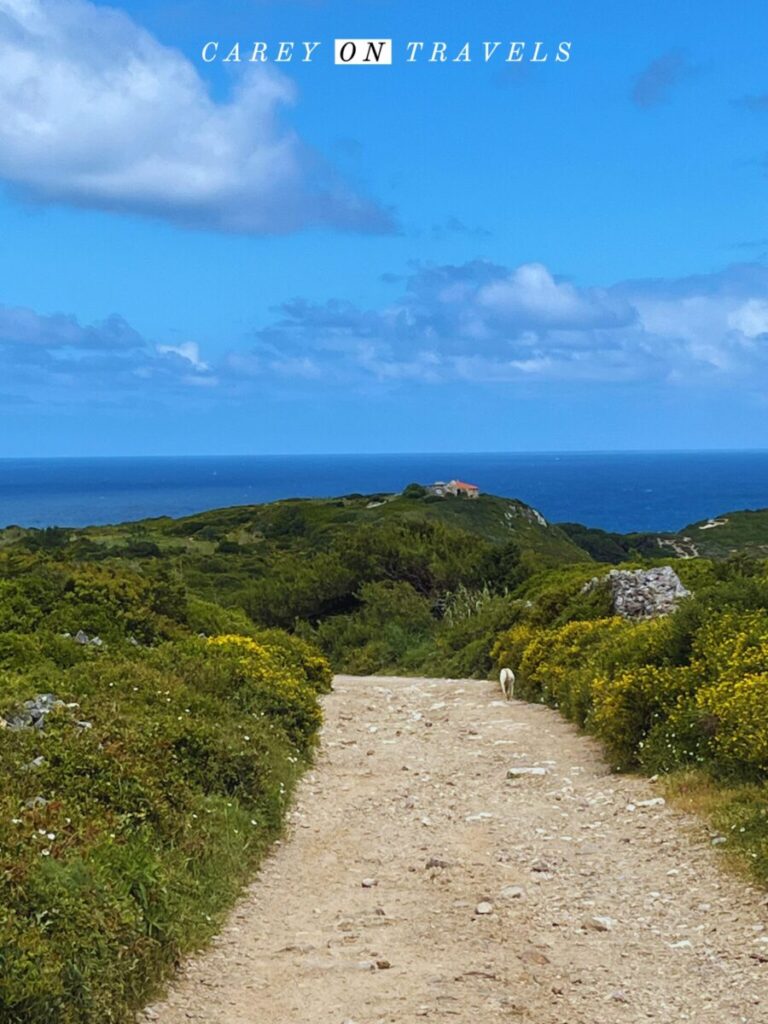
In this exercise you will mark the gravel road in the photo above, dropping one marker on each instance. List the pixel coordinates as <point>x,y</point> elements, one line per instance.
<point>417,882</point>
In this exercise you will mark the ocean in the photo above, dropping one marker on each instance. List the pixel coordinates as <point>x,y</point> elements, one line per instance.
<point>615,491</point>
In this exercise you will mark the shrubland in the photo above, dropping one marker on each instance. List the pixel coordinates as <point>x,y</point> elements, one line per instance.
<point>135,808</point>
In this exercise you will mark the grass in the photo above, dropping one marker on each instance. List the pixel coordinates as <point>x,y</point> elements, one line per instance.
<point>736,814</point>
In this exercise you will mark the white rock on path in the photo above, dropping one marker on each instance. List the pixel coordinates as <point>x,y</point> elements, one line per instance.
<point>516,773</point>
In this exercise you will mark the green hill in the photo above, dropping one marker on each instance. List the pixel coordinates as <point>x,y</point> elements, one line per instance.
<point>728,534</point>
<point>313,523</point>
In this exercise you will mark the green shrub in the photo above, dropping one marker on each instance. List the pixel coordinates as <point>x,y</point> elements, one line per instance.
<point>124,838</point>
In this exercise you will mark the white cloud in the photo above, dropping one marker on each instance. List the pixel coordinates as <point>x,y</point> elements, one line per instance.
<point>531,293</point>
<point>703,333</point>
<point>188,350</point>
<point>486,323</point>
<point>94,111</point>
<point>751,318</point>
<point>21,327</point>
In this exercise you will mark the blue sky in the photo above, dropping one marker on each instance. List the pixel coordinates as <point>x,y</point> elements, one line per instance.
<point>306,258</point>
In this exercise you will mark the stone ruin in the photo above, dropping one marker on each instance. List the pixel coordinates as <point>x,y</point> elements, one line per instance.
<point>642,593</point>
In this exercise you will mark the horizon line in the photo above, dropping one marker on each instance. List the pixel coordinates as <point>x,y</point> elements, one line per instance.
<point>391,454</point>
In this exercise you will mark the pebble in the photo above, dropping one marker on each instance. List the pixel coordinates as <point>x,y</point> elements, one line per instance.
<point>369,883</point>
<point>599,923</point>
<point>534,956</point>
<point>542,867</point>
<point>513,892</point>
<point>484,908</point>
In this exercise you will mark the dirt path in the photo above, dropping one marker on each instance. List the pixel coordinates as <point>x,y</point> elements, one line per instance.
<point>598,912</point>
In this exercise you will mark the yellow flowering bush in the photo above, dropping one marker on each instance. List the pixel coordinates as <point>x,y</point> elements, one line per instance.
<point>263,683</point>
<point>555,665</point>
<point>626,707</point>
<point>654,694</point>
<point>739,715</point>
<point>297,654</point>
<point>733,644</point>
<point>510,645</point>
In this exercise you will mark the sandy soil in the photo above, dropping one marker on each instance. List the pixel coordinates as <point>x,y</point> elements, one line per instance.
<point>419,883</point>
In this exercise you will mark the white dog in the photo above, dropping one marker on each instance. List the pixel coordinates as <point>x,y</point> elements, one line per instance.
<point>507,680</point>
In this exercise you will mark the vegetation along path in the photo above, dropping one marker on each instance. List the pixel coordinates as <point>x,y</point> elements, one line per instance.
<point>420,883</point>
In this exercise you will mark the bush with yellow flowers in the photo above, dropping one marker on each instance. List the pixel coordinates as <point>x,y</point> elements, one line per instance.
<point>689,689</point>
<point>738,711</point>
<point>733,644</point>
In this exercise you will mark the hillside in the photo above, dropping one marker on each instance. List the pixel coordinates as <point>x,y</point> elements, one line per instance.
<point>315,522</point>
<point>728,534</point>
<point>733,533</point>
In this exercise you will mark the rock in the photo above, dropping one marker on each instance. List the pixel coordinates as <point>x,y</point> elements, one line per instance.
<point>435,862</point>
<point>35,802</point>
<point>534,956</point>
<point>641,593</point>
<point>86,641</point>
<point>657,801</point>
<point>599,924</point>
<point>516,773</point>
<point>383,965</point>
<point>484,908</point>
<point>513,892</point>
<point>541,866</point>
<point>619,997</point>
<point>369,883</point>
<point>34,712</point>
